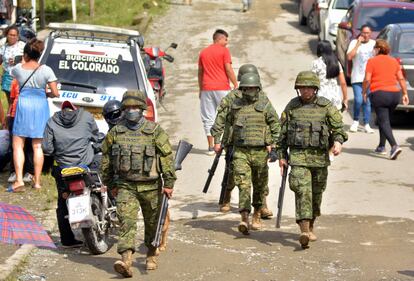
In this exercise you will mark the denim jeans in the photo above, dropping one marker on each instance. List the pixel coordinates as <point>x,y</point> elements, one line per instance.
<point>359,102</point>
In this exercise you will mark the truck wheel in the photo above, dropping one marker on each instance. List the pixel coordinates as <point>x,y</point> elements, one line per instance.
<point>313,21</point>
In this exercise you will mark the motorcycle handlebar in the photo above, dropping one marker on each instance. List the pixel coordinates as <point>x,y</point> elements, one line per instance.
<point>168,58</point>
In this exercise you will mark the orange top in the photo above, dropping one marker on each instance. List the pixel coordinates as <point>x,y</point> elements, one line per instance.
<point>383,69</point>
<point>14,94</point>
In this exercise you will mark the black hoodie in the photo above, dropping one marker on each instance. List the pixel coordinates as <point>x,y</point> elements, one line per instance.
<point>68,137</point>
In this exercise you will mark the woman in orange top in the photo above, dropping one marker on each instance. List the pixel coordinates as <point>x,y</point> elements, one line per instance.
<point>383,74</point>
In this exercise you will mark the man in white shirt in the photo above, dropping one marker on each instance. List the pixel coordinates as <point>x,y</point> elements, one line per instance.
<point>359,51</point>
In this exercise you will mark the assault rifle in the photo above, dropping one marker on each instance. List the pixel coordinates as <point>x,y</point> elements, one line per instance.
<point>212,170</point>
<point>281,195</point>
<point>182,151</point>
<point>224,182</point>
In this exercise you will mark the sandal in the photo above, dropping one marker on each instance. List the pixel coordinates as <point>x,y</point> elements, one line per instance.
<point>17,189</point>
<point>37,187</point>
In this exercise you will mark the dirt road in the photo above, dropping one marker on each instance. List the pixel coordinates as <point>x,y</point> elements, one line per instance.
<point>367,230</point>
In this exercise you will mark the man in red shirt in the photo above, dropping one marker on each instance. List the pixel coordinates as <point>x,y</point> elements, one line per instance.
<point>214,73</point>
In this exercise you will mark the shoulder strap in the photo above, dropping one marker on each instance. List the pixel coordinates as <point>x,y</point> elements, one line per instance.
<point>24,84</point>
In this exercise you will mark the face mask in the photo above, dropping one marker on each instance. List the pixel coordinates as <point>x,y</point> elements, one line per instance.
<point>250,94</point>
<point>134,115</point>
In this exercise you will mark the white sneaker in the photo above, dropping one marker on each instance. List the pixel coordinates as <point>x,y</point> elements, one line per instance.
<point>354,127</point>
<point>368,129</point>
<point>12,178</point>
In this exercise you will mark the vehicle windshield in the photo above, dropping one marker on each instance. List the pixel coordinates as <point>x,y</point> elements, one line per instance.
<point>95,74</point>
<point>377,18</point>
<point>406,43</point>
<point>342,4</point>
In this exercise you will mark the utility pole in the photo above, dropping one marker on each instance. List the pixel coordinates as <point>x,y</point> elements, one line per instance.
<point>74,10</point>
<point>42,14</point>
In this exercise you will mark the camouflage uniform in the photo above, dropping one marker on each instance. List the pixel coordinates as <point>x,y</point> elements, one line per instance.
<point>308,131</point>
<point>254,125</point>
<point>132,162</point>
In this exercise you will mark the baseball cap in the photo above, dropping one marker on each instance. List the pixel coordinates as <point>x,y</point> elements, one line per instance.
<point>67,104</point>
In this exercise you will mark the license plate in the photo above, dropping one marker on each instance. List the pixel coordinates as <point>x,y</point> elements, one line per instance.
<point>79,208</point>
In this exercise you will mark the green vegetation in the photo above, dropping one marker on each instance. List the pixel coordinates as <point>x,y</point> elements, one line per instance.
<point>107,12</point>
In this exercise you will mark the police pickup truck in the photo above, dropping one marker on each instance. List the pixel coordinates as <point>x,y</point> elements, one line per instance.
<point>95,64</point>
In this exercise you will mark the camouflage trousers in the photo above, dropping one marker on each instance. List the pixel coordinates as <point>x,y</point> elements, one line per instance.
<point>231,185</point>
<point>129,200</point>
<point>308,184</point>
<point>250,167</point>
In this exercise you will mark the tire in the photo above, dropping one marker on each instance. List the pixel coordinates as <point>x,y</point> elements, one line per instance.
<point>302,19</point>
<point>97,243</point>
<point>313,21</point>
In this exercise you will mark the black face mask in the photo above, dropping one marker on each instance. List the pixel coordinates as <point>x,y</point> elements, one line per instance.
<point>250,95</point>
<point>68,116</point>
<point>134,118</point>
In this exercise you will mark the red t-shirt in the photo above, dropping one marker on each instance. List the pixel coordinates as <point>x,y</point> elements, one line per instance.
<point>383,69</point>
<point>212,60</point>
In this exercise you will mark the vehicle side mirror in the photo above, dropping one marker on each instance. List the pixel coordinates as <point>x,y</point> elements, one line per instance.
<point>174,45</point>
<point>345,25</point>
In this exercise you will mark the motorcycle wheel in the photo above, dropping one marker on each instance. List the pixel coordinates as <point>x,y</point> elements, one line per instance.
<point>97,243</point>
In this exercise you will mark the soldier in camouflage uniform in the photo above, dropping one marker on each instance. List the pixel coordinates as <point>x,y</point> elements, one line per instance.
<point>221,127</point>
<point>311,125</point>
<point>255,126</point>
<point>136,154</point>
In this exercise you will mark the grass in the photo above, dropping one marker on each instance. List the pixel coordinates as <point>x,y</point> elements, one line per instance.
<point>118,13</point>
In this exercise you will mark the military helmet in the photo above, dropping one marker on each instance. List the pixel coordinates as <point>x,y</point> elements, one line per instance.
<point>112,112</point>
<point>250,80</point>
<point>246,68</point>
<point>307,79</point>
<point>134,98</point>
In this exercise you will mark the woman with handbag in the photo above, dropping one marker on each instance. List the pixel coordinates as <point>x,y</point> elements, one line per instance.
<point>10,54</point>
<point>32,111</point>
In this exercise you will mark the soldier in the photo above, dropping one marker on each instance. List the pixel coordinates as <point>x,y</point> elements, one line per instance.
<point>255,126</point>
<point>222,127</point>
<point>311,125</point>
<point>135,154</point>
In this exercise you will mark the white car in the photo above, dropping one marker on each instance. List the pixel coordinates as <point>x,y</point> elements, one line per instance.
<point>95,64</point>
<point>331,13</point>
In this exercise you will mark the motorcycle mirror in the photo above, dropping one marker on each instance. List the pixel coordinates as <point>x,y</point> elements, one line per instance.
<point>140,41</point>
<point>174,45</point>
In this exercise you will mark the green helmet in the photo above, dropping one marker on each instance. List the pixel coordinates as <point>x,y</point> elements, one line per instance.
<point>307,79</point>
<point>134,98</point>
<point>250,80</point>
<point>246,68</point>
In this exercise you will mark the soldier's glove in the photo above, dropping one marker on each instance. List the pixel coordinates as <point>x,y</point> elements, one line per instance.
<point>272,156</point>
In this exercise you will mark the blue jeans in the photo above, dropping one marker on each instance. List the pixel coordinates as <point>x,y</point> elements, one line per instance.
<point>359,101</point>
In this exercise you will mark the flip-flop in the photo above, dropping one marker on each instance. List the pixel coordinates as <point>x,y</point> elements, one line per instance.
<point>17,189</point>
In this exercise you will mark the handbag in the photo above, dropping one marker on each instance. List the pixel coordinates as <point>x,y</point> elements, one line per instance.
<point>6,81</point>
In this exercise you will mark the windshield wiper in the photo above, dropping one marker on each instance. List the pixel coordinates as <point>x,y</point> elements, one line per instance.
<point>84,85</point>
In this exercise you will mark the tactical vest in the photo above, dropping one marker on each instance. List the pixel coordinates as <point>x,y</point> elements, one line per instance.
<point>307,126</point>
<point>133,153</point>
<point>249,123</point>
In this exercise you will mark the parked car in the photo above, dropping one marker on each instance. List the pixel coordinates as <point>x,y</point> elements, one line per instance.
<point>95,64</point>
<point>309,14</point>
<point>377,14</point>
<point>330,14</point>
<point>401,39</point>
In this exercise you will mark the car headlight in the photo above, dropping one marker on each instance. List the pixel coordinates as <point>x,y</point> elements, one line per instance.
<point>333,29</point>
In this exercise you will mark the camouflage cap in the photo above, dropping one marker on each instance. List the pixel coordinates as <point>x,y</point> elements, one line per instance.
<point>250,80</point>
<point>134,98</point>
<point>246,68</point>
<point>307,79</point>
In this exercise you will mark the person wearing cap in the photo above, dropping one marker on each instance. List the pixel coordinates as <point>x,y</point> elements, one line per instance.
<point>68,137</point>
<point>137,167</point>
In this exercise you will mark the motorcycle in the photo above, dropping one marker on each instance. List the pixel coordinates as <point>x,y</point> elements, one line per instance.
<point>92,211</point>
<point>155,71</point>
<point>24,23</point>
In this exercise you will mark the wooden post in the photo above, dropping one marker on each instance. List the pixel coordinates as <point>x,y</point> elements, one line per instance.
<point>42,14</point>
<point>91,8</point>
